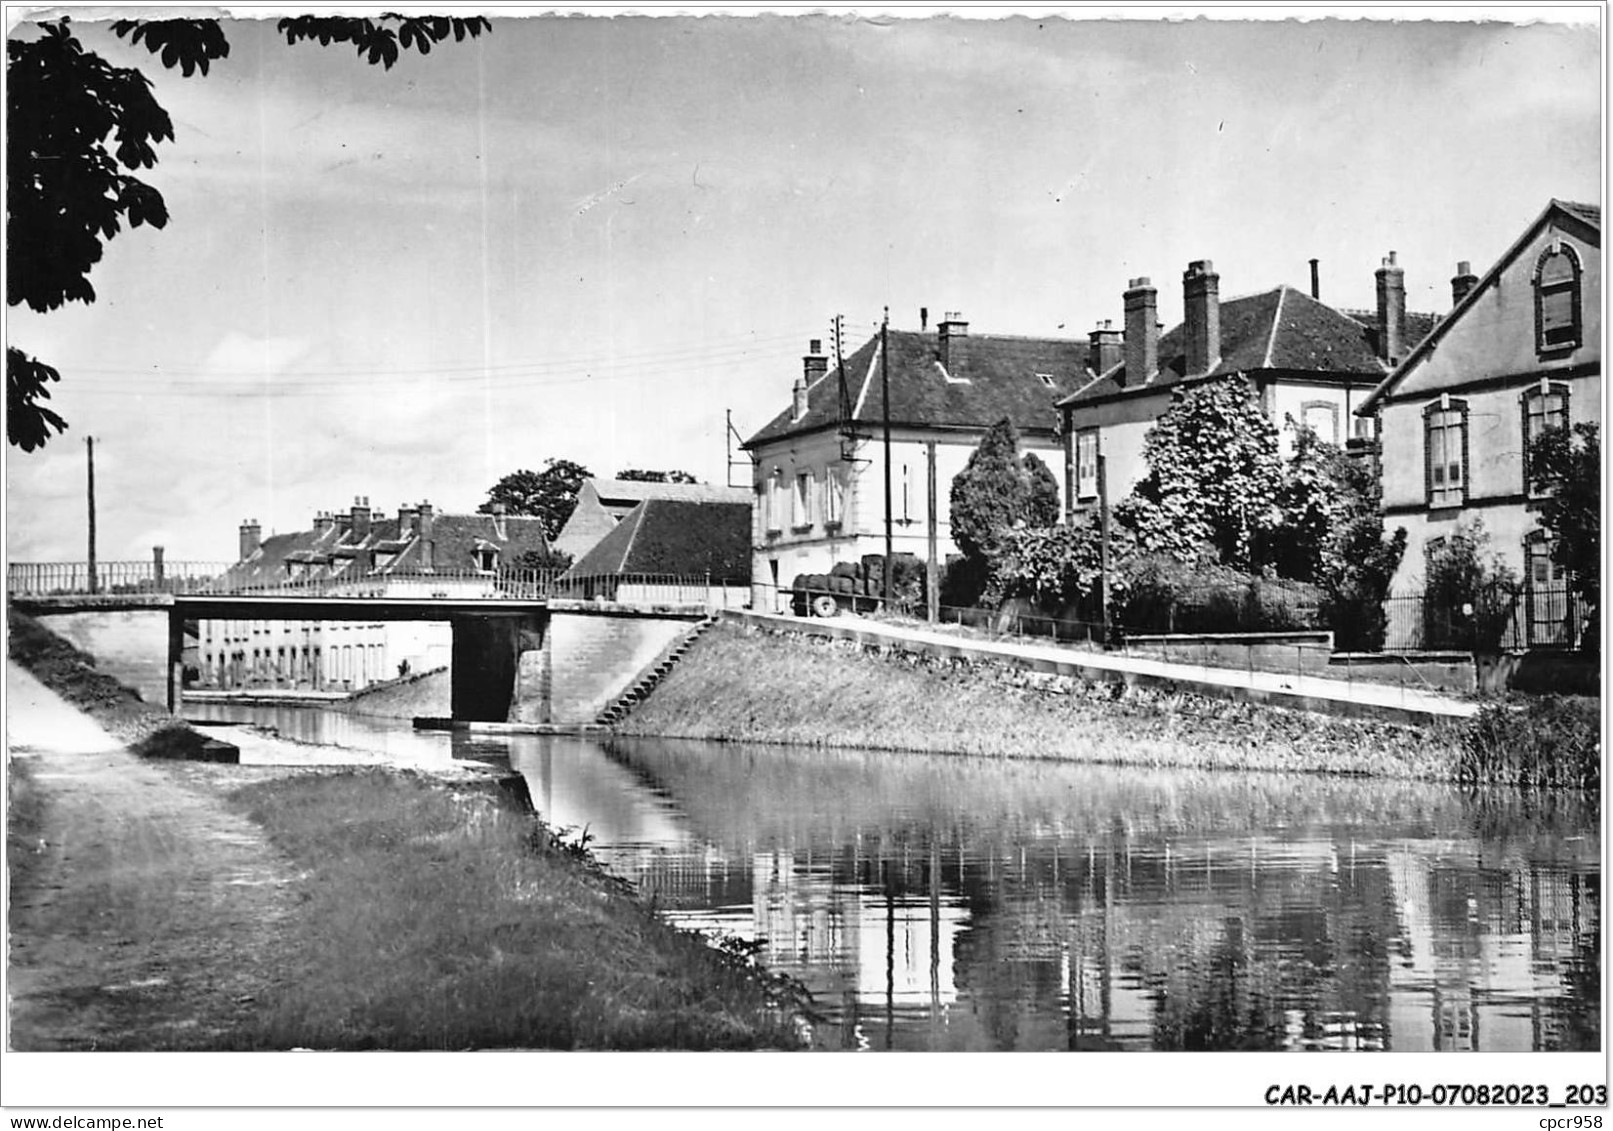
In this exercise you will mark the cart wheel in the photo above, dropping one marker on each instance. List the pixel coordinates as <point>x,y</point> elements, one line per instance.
<point>824,605</point>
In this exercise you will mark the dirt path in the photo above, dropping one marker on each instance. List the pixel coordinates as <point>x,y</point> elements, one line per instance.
<point>145,913</point>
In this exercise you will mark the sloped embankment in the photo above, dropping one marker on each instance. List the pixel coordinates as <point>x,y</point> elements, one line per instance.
<point>743,684</point>
<point>429,694</point>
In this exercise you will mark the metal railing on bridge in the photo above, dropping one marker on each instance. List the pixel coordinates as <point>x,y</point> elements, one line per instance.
<point>139,578</point>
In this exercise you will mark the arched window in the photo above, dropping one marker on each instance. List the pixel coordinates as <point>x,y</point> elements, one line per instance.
<point>1544,406</point>
<point>1445,452</point>
<point>1558,324</point>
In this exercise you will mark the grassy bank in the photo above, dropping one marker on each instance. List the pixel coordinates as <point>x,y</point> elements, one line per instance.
<point>70,672</point>
<point>739,683</point>
<point>434,918</point>
<point>422,912</point>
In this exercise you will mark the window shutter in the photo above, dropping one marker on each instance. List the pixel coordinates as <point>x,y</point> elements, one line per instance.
<point>1523,413</point>
<point>1466,472</point>
<point>1428,454</point>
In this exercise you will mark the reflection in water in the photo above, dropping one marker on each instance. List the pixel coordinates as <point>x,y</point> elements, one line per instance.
<point>934,902</point>
<point>954,903</point>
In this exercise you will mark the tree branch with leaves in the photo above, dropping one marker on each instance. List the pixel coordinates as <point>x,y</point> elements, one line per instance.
<point>79,129</point>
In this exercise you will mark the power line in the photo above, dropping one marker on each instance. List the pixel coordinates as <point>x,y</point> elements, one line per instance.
<point>734,347</point>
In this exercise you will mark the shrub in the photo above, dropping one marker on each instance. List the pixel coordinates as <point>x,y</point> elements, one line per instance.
<point>1553,743</point>
<point>1468,599</point>
<point>1163,595</point>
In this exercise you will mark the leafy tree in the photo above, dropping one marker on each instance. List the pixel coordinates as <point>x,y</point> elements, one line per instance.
<point>1571,514</point>
<point>636,475</point>
<point>79,128</point>
<point>997,490</point>
<point>1332,534</point>
<point>550,494</point>
<point>1214,478</point>
<point>1469,596</point>
<point>1042,492</point>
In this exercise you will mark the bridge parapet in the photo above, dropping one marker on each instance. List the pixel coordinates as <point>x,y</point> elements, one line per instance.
<point>141,582</point>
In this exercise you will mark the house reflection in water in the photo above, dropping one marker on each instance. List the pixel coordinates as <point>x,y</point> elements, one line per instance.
<point>949,903</point>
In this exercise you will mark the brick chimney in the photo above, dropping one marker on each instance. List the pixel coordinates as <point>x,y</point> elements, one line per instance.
<point>498,523</point>
<point>361,517</point>
<point>1201,306</point>
<point>1391,310</point>
<point>798,401</point>
<point>952,334</point>
<point>323,523</point>
<point>1142,331</point>
<point>250,537</point>
<point>427,547</point>
<point>814,364</point>
<point>1463,281</point>
<point>1105,350</point>
<point>406,520</point>
<point>156,564</point>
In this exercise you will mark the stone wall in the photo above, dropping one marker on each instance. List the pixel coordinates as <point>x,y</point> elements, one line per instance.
<point>593,659</point>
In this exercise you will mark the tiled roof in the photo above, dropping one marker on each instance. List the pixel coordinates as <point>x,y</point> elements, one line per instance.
<point>676,537</point>
<point>1590,213</point>
<point>632,492</point>
<point>1282,328</point>
<point>455,538</point>
<point>335,554</point>
<point>1414,326</point>
<point>998,378</point>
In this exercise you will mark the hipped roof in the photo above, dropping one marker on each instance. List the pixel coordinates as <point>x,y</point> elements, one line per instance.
<point>1280,329</point>
<point>997,378</point>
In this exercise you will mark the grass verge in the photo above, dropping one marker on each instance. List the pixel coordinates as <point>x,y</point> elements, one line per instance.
<point>1547,743</point>
<point>738,683</point>
<point>436,919</point>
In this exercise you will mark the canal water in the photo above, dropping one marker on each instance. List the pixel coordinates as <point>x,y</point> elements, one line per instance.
<point>952,903</point>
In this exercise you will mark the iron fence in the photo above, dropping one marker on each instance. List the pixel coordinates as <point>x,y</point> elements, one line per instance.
<point>58,579</point>
<point>1495,619</point>
<point>65,579</point>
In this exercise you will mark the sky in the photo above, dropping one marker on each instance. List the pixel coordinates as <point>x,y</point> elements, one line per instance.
<point>589,238</point>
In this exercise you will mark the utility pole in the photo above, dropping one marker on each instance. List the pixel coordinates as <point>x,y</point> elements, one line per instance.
<point>89,449</point>
<point>730,437</point>
<point>1103,549</point>
<point>885,395</point>
<point>932,572</point>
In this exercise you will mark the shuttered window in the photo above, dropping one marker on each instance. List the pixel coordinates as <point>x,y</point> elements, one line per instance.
<point>1557,299</point>
<point>1544,406</point>
<point>1086,464</point>
<point>1445,453</point>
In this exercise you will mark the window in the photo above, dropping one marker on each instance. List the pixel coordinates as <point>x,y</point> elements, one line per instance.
<point>1544,406</point>
<point>1549,603</point>
<point>775,502</point>
<point>1086,463</point>
<point>1445,452</point>
<point>907,492</point>
<point>487,560</point>
<point>1046,379</point>
<point>803,500</point>
<point>1322,418</point>
<point>1557,309</point>
<point>834,499</point>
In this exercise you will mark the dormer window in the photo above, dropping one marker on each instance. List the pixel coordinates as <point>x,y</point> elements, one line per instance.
<point>1558,321</point>
<point>487,560</point>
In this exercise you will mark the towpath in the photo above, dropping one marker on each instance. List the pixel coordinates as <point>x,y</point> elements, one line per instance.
<point>1356,697</point>
<point>143,911</point>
